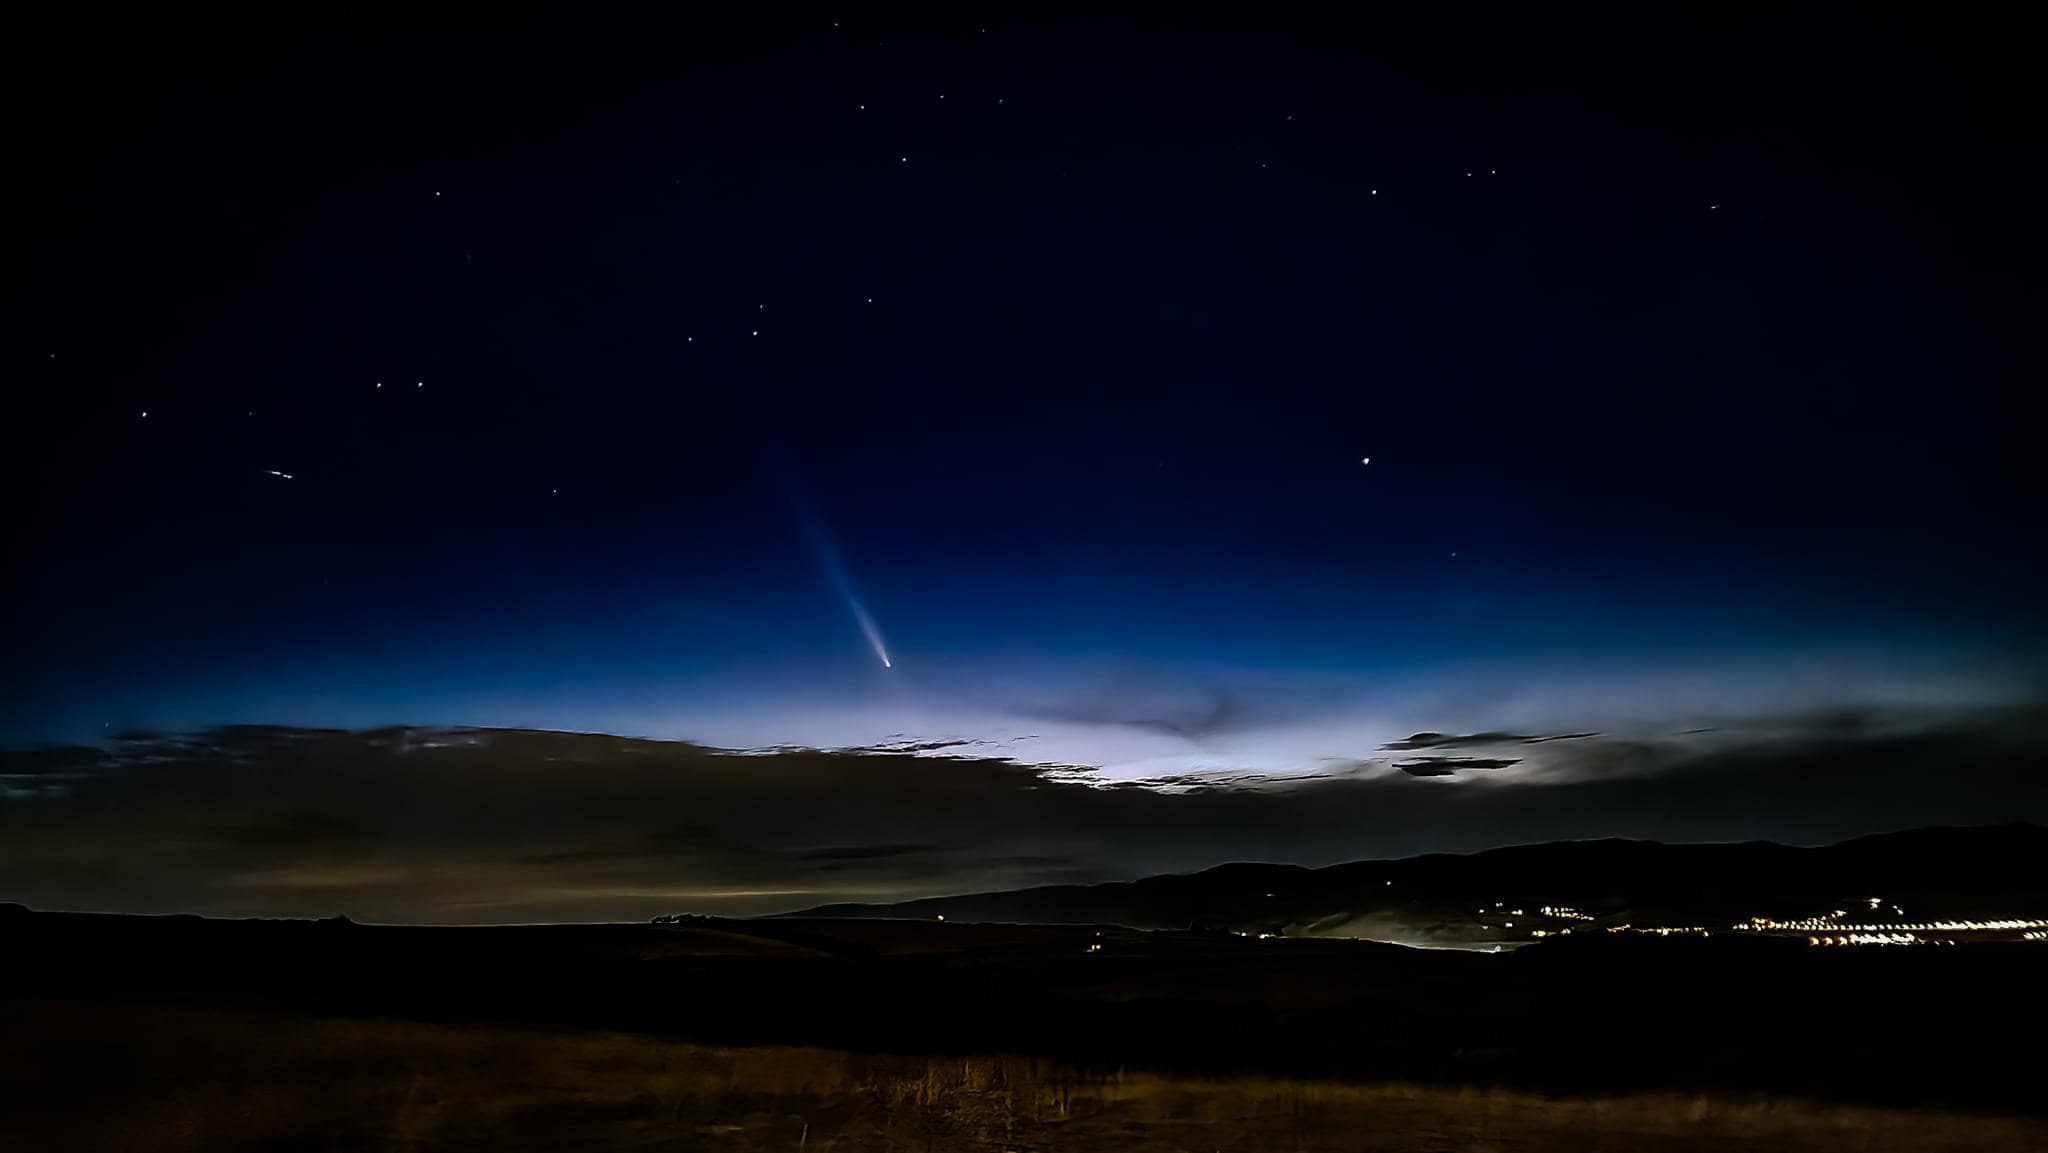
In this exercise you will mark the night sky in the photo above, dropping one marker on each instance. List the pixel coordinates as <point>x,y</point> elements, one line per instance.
<point>1199,407</point>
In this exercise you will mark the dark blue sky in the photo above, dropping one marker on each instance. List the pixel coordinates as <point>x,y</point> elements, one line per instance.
<point>1688,350</point>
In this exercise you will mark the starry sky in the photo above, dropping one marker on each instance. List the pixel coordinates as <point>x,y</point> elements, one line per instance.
<point>1172,401</point>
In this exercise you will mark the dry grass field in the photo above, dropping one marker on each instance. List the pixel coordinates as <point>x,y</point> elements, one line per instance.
<point>98,1076</point>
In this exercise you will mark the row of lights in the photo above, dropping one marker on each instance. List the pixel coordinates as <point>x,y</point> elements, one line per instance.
<point>1865,939</point>
<point>1832,925</point>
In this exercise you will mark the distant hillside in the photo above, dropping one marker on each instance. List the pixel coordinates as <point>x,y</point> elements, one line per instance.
<point>1497,897</point>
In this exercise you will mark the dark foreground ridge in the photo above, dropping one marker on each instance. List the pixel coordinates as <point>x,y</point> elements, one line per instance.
<point>1590,1014</point>
<point>1254,1018</point>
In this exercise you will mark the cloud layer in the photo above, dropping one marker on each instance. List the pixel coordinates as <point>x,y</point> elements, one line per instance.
<point>510,825</point>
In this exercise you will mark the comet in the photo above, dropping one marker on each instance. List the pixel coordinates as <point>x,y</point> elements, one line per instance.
<point>835,571</point>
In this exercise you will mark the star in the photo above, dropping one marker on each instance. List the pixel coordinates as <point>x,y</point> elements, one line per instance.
<point>420,384</point>
<point>757,332</point>
<point>903,160</point>
<point>145,414</point>
<point>380,384</point>
<point>1365,460</point>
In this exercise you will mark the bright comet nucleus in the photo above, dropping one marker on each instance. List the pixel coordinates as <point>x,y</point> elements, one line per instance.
<point>867,626</point>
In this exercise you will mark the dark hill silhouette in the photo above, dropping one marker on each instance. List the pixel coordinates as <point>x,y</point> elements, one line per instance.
<point>1467,898</point>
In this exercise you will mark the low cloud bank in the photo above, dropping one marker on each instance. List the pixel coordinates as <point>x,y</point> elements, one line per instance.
<point>514,825</point>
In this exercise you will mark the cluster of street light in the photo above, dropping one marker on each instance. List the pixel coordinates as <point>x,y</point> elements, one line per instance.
<point>1833,924</point>
<point>1831,928</point>
<point>1865,939</point>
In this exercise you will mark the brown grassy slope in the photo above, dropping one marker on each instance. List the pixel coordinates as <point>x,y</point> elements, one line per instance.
<point>85,1076</point>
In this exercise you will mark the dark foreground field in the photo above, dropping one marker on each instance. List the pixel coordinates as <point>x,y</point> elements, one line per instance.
<point>173,1079</point>
<point>177,1033</point>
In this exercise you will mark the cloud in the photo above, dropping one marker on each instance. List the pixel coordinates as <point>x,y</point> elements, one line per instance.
<point>674,842</point>
<point>46,772</point>
<point>289,830</point>
<point>869,852</point>
<point>1445,766</point>
<point>906,745</point>
<point>1030,861</point>
<point>1429,740</point>
<point>57,761</point>
<point>470,825</point>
